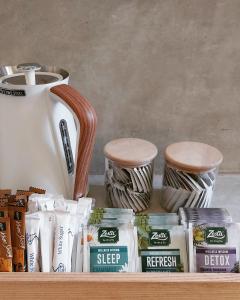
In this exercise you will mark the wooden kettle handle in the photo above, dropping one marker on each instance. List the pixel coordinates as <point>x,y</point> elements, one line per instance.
<point>88,120</point>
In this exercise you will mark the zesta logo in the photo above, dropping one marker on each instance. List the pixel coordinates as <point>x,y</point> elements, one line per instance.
<point>159,236</point>
<point>108,234</point>
<point>216,234</point>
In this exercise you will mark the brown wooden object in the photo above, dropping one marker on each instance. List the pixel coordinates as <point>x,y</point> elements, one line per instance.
<point>88,120</point>
<point>91,286</point>
<point>130,152</point>
<point>193,157</point>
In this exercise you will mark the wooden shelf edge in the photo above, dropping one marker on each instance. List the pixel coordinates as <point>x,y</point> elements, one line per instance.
<point>91,286</point>
<point>121,277</point>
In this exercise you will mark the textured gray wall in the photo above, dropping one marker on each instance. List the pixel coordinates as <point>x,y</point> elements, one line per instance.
<point>163,70</point>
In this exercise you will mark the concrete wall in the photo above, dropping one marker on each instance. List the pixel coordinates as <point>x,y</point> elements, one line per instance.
<point>163,70</point>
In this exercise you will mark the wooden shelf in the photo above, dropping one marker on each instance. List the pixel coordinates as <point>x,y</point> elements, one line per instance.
<point>92,286</point>
<point>130,286</point>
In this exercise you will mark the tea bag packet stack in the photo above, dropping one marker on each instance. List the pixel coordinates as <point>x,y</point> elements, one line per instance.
<point>100,214</point>
<point>161,247</point>
<point>214,247</point>
<point>110,242</point>
<point>185,189</point>
<point>192,215</point>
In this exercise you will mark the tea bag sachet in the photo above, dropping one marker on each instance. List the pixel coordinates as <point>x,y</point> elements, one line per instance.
<point>110,246</point>
<point>162,248</point>
<point>214,247</point>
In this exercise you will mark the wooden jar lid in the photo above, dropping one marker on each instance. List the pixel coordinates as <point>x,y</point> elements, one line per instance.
<point>130,152</point>
<point>193,157</point>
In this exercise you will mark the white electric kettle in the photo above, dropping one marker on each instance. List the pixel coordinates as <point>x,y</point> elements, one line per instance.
<point>47,131</point>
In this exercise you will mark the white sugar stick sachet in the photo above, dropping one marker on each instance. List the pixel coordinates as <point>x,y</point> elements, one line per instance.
<point>60,204</point>
<point>33,203</point>
<point>47,230</point>
<point>79,211</point>
<point>43,202</point>
<point>46,204</point>
<point>61,251</point>
<point>33,222</point>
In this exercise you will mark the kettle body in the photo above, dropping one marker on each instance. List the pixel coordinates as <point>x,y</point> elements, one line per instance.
<point>47,131</point>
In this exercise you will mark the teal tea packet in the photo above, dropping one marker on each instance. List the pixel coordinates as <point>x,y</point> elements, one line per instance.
<point>214,247</point>
<point>161,248</point>
<point>110,243</point>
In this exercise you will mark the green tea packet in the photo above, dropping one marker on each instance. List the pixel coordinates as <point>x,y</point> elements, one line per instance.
<point>214,247</point>
<point>161,247</point>
<point>110,246</point>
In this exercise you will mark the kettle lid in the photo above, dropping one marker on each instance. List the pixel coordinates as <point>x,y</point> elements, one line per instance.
<point>31,74</point>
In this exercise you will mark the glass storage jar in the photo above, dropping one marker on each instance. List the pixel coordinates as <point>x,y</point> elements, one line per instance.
<point>189,175</point>
<point>129,172</point>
